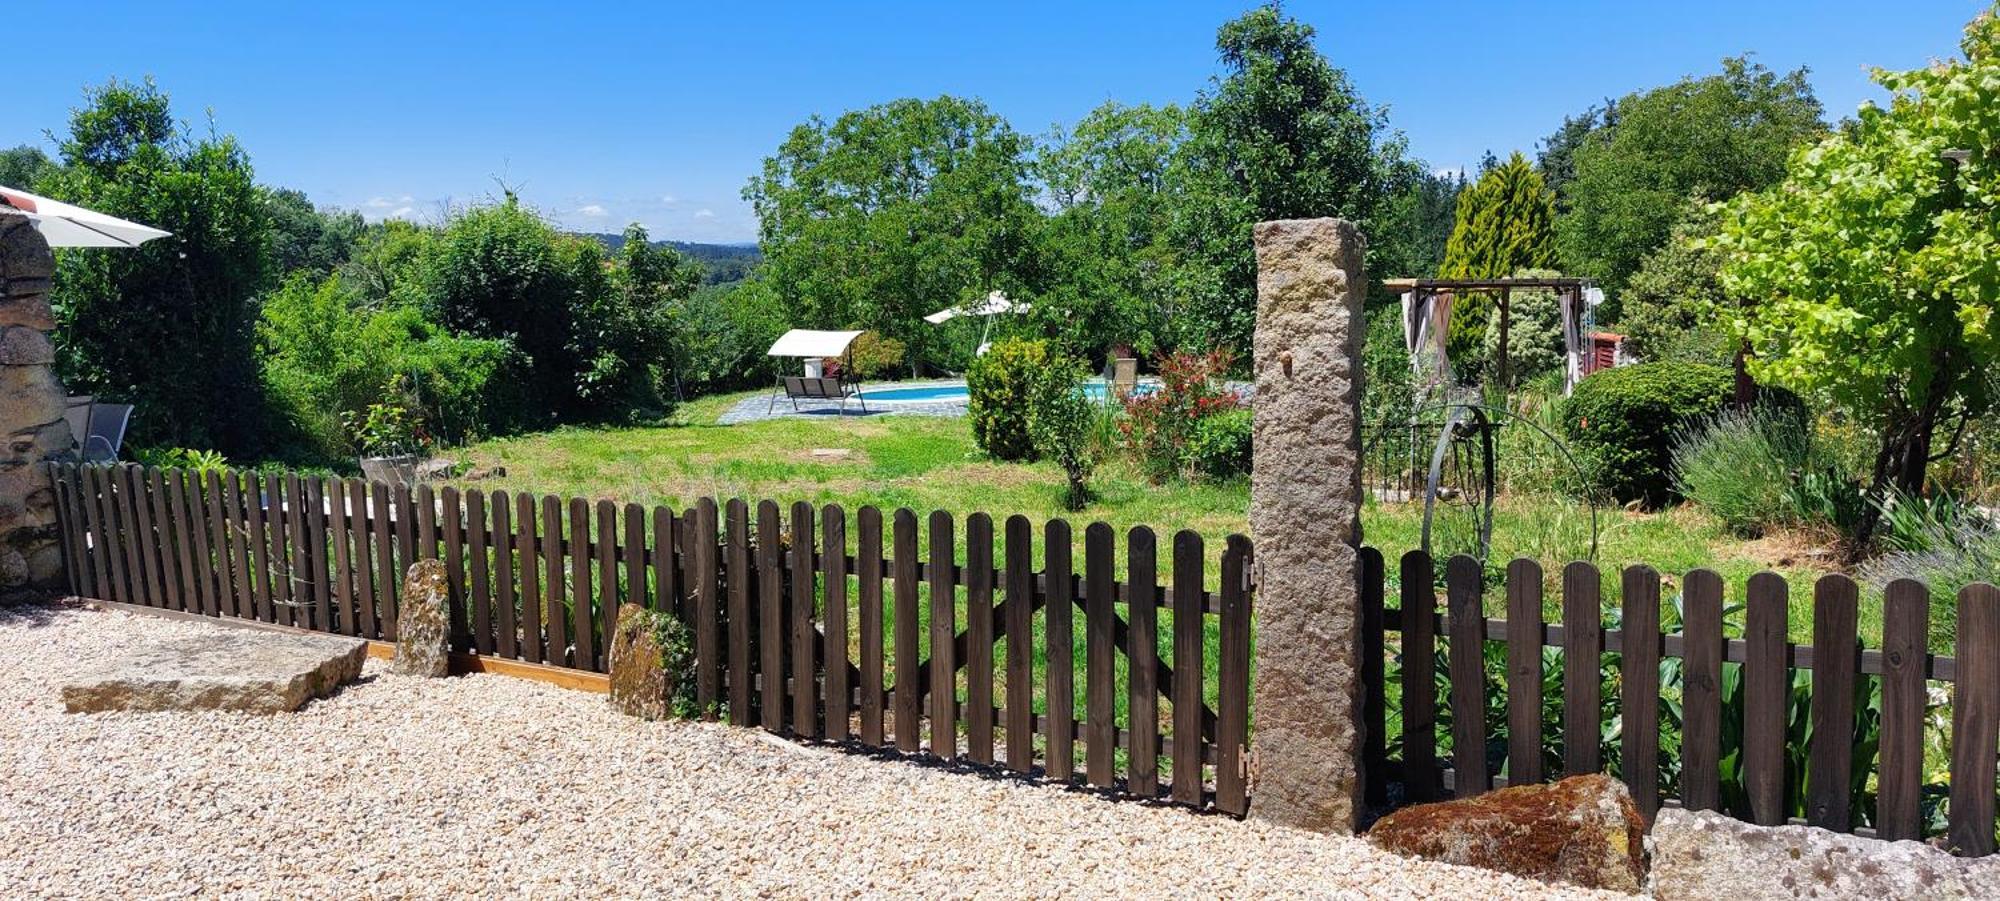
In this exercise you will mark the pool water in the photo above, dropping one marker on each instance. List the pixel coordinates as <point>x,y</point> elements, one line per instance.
<point>950,393</point>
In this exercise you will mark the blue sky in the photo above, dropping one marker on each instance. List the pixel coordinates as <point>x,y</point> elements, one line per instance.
<point>604,114</point>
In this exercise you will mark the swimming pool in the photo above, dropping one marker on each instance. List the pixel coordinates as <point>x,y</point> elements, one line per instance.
<point>952,392</point>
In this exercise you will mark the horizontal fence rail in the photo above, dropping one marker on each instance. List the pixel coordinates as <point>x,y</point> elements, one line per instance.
<point>1832,734</point>
<point>877,632</point>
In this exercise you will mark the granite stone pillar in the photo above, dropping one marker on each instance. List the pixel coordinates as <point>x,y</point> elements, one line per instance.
<point>31,412</point>
<point>1305,504</point>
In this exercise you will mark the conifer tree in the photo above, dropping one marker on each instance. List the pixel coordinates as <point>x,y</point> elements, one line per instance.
<point>1505,223</point>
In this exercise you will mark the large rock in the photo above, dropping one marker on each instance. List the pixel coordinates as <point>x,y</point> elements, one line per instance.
<point>219,669</point>
<point>1583,830</point>
<point>639,683</point>
<point>1704,855</point>
<point>32,426</point>
<point>1305,503</point>
<point>423,629</point>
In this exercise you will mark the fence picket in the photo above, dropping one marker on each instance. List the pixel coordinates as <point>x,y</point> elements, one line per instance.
<point>1142,650</point>
<point>1419,621</point>
<point>479,593</point>
<point>1188,635</point>
<point>555,591</point>
<point>1975,721</point>
<point>979,638</point>
<point>340,533</point>
<point>531,579</point>
<point>108,546</point>
<point>66,528</point>
<point>313,515</point>
<point>1100,677</point>
<point>1464,598</point>
<point>256,499</point>
<point>582,622</point>
<point>1020,611</point>
<point>908,699</point>
<point>403,508</point>
<point>804,635</point>
<point>1374,677</point>
<point>222,519</point>
<point>1524,672</point>
<point>701,542</point>
<point>1583,654</point>
<point>770,617</point>
<point>839,694</point>
<point>633,555</point>
<point>1232,720</point>
<point>363,571</point>
<point>1060,700</point>
<point>738,540</point>
<point>605,598</point>
<point>290,553</point>
<point>1836,661</point>
<point>506,618</point>
<point>197,564</point>
<point>1640,695</point>
<point>147,542</point>
<point>944,632</point>
<point>868,570</point>
<point>1905,633</point>
<point>173,581</point>
<point>1766,684</point>
<point>1701,692</point>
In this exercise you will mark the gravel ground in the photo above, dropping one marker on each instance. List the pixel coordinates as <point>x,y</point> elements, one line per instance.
<point>490,785</point>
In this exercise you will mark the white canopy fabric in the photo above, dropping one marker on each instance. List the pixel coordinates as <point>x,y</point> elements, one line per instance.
<point>67,225</point>
<point>995,304</point>
<point>805,342</point>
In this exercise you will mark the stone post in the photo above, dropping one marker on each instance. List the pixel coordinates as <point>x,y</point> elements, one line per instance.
<point>31,411</point>
<point>1305,505</point>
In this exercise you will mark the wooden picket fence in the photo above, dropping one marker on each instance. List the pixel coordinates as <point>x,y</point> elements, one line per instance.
<point>886,638</point>
<point>1785,749</point>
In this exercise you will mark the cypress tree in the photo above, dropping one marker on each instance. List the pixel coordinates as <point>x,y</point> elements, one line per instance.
<point>1505,223</point>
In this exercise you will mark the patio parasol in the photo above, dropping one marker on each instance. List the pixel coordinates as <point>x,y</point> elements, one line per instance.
<point>68,225</point>
<point>994,304</point>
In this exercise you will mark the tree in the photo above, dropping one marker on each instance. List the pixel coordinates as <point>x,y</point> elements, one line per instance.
<point>308,239</point>
<point>1414,222</point>
<point>1556,155</point>
<point>1283,135</point>
<point>1670,303</point>
<point>1106,253</point>
<point>892,212</point>
<point>1504,223</point>
<point>1708,138</point>
<point>21,167</point>
<point>1872,271</point>
<point>167,326</point>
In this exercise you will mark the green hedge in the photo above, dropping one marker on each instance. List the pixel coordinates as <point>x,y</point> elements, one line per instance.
<point>1623,423</point>
<point>1000,390</point>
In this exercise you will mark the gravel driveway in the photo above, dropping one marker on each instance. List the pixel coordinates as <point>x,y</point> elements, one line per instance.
<point>495,786</point>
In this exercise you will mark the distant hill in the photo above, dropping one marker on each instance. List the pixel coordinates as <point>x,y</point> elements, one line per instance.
<point>723,262</point>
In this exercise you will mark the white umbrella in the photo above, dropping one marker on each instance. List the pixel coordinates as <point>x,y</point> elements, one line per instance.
<point>994,304</point>
<point>68,225</point>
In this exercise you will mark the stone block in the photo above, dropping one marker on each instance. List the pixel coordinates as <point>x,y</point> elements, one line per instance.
<point>1704,855</point>
<point>219,669</point>
<point>423,629</point>
<point>639,683</point>
<point>1583,830</point>
<point>23,346</point>
<point>25,302</point>
<point>1305,504</point>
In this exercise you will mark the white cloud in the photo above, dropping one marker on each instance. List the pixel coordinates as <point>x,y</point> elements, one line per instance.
<point>669,199</point>
<point>592,210</point>
<point>401,212</point>
<point>704,214</point>
<point>383,203</point>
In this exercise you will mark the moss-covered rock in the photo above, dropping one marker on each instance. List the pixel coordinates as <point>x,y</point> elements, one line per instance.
<point>1583,830</point>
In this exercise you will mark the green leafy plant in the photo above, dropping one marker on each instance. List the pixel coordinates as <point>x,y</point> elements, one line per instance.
<point>1745,466</point>
<point>1220,449</point>
<point>1000,389</point>
<point>1160,425</point>
<point>182,458</point>
<point>1065,426</point>
<point>1624,422</point>
<point>388,428</point>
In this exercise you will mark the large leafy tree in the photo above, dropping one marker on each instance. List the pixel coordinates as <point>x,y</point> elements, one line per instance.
<point>889,213</point>
<point>167,326</point>
<point>1504,224</point>
<point>1708,138</point>
<point>307,239</point>
<point>1414,221</point>
<point>1106,252</point>
<point>21,167</point>
<point>1872,272</point>
<point>1281,135</point>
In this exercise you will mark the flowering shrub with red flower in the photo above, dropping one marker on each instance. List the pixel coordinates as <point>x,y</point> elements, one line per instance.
<point>1163,427</point>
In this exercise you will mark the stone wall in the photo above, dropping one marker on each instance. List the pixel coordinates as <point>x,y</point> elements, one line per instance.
<point>31,411</point>
<point>1305,507</point>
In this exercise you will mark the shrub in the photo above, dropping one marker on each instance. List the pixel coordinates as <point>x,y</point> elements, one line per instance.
<point>1066,428</point>
<point>1220,448</point>
<point>1745,467</point>
<point>1623,422</point>
<point>873,355</point>
<point>1000,389</point>
<point>1534,331</point>
<point>1160,425</point>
